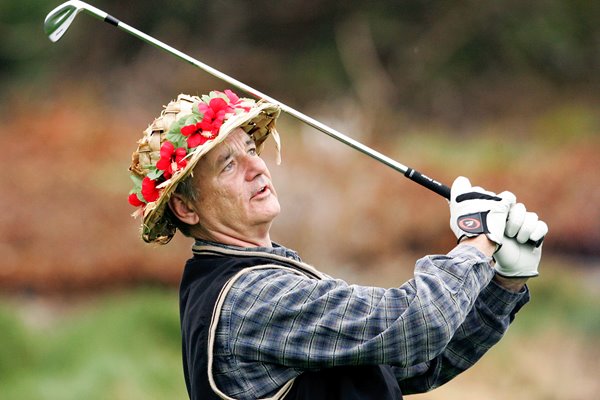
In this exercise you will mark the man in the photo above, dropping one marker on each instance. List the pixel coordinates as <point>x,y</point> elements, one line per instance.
<point>258,323</point>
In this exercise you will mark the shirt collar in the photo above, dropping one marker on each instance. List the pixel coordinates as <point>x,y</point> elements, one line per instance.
<point>276,249</point>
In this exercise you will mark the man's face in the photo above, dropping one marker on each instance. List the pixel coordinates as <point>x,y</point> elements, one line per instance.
<point>236,196</point>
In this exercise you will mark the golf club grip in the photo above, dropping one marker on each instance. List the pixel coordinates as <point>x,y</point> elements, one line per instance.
<point>431,184</point>
<point>444,191</point>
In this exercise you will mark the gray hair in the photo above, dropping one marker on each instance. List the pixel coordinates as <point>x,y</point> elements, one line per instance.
<point>188,192</point>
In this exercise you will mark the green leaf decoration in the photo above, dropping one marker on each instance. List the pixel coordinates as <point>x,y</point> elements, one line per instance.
<point>154,173</point>
<point>181,142</point>
<point>191,119</point>
<point>174,135</point>
<point>137,182</point>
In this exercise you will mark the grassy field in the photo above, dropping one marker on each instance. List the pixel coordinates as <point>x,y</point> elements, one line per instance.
<point>117,346</point>
<point>125,345</point>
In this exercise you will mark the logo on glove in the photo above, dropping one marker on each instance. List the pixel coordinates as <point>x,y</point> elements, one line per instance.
<point>473,223</point>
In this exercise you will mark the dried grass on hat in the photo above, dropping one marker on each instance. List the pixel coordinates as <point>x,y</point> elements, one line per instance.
<point>187,129</point>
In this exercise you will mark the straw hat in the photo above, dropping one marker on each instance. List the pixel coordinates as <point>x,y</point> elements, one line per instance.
<point>187,129</point>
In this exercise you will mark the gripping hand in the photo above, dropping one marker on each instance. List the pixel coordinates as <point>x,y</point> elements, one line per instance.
<point>519,257</point>
<point>474,211</point>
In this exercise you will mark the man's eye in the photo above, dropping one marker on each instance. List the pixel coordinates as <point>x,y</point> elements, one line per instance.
<point>228,166</point>
<point>252,151</point>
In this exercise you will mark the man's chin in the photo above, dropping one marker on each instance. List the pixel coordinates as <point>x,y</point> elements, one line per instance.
<point>270,211</point>
<point>274,212</point>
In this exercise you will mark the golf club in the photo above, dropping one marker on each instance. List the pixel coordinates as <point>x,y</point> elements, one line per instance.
<point>58,21</point>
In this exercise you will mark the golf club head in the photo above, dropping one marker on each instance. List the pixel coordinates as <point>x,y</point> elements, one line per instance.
<point>58,20</point>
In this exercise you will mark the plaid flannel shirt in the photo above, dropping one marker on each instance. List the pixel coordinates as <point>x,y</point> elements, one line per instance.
<point>275,324</point>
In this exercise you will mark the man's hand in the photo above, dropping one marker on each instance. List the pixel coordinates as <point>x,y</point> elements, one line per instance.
<point>518,258</point>
<point>474,211</point>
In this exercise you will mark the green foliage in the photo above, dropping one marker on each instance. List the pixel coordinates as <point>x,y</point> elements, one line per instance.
<point>562,125</point>
<point>24,50</point>
<point>420,44</point>
<point>560,301</point>
<point>15,351</point>
<point>125,346</point>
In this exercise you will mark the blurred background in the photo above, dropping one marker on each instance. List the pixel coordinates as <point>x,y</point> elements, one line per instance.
<point>504,92</point>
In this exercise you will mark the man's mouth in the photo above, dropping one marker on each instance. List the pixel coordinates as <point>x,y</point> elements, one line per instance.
<point>261,191</point>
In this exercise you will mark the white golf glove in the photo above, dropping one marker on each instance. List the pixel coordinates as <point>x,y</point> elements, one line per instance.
<point>474,211</point>
<point>519,257</point>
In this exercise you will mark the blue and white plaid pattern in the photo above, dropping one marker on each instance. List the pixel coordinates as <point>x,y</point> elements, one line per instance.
<point>275,324</point>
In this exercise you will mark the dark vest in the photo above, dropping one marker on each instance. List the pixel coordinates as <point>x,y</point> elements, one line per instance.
<point>204,277</point>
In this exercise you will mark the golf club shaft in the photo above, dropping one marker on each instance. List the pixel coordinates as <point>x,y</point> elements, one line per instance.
<point>58,21</point>
<point>410,173</point>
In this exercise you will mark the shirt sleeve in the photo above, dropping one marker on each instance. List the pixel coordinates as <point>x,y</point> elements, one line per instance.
<point>275,317</point>
<point>484,326</point>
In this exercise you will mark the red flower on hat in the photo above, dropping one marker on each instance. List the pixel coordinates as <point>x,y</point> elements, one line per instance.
<point>213,115</point>
<point>235,101</point>
<point>134,200</point>
<point>233,98</point>
<point>149,190</point>
<point>197,134</point>
<point>171,159</point>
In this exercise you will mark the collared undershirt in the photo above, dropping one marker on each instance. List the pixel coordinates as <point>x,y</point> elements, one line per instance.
<point>276,249</point>
<point>275,324</point>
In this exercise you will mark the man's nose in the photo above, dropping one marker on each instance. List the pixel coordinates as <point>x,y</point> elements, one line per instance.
<point>254,166</point>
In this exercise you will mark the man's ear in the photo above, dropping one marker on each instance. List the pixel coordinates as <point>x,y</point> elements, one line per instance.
<point>183,210</point>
